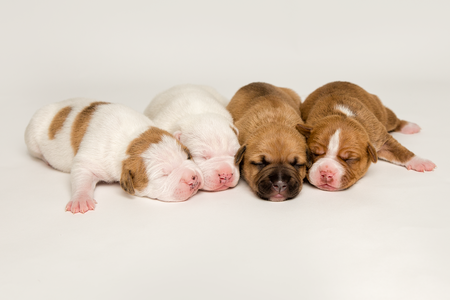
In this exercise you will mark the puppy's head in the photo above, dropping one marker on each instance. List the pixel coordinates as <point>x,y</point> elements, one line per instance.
<point>273,162</point>
<point>158,166</point>
<point>212,141</point>
<point>341,152</point>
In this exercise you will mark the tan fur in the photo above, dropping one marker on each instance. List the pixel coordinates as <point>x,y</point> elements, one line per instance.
<point>365,133</point>
<point>371,110</point>
<point>58,121</point>
<point>266,117</point>
<point>134,175</point>
<point>81,124</point>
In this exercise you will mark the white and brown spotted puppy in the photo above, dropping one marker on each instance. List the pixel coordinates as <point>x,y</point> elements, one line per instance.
<point>347,130</point>
<point>273,155</point>
<point>100,141</point>
<point>197,116</point>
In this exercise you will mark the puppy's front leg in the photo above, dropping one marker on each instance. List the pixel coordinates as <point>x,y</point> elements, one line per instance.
<point>394,152</point>
<point>83,185</point>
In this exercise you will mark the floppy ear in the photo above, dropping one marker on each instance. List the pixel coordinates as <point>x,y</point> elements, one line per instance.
<point>240,155</point>
<point>372,153</point>
<point>235,130</point>
<point>304,129</point>
<point>126,181</point>
<point>177,134</point>
<point>309,158</point>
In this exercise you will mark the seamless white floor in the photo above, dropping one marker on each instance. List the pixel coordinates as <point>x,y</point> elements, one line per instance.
<point>387,237</point>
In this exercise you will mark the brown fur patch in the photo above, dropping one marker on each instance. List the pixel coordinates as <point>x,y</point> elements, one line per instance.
<point>134,174</point>
<point>58,121</point>
<point>81,124</point>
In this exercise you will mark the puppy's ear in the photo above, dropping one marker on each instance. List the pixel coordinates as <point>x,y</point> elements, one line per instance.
<point>177,134</point>
<point>304,129</point>
<point>309,158</point>
<point>126,181</point>
<point>240,155</point>
<point>372,153</point>
<point>235,130</point>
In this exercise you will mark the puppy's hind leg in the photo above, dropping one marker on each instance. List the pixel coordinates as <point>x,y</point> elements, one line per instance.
<point>394,152</point>
<point>395,124</point>
<point>83,185</point>
<point>407,127</point>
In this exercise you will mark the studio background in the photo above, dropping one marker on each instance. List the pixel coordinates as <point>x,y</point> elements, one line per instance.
<point>387,237</point>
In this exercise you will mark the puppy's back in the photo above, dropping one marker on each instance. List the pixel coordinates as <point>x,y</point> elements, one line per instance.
<point>48,135</point>
<point>264,94</point>
<point>340,92</point>
<point>178,102</point>
<point>98,130</point>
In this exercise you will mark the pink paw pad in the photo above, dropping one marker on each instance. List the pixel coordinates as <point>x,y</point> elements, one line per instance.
<point>81,205</point>
<point>410,128</point>
<point>420,164</point>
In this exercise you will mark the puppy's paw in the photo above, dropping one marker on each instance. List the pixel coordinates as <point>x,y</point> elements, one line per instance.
<point>81,205</point>
<point>420,164</point>
<point>410,128</point>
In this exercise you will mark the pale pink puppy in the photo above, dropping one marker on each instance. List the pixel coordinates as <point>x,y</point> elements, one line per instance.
<point>99,141</point>
<point>197,116</point>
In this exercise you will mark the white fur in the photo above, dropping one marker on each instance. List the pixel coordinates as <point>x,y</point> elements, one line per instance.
<point>198,117</point>
<point>333,145</point>
<point>329,164</point>
<point>103,148</point>
<point>345,110</point>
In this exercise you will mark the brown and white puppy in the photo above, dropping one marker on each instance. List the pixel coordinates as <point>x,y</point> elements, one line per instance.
<point>347,130</point>
<point>100,141</point>
<point>273,156</point>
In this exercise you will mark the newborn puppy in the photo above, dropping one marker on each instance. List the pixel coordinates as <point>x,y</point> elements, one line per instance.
<point>273,155</point>
<point>196,115</point>
<point>347,130</point>
<point>100,141</point>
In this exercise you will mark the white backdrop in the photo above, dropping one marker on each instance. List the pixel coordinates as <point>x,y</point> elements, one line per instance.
<point>387,237</point>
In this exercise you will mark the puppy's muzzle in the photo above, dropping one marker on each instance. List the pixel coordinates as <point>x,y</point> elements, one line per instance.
<point>278,184</point>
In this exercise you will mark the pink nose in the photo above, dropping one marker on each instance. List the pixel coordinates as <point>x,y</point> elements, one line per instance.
<point>191,179</point>
<point>279,186</point>
<point>224,173</point>
<point>327,176</point>
<point>225,177</point>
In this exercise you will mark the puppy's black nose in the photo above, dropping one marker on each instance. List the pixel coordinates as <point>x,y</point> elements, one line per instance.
<point>279,186</point>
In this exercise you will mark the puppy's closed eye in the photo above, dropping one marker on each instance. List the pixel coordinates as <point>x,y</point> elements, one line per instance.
<point>351,160</point>
<point>296,164</point>
<point>260,165</point>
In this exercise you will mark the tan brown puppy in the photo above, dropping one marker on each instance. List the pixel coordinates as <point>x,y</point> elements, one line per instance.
<point>347,130</point>
<point>273,155</point>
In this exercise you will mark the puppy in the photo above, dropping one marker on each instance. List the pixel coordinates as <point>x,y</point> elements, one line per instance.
<point>197,116</point>
<point>347,130</point>
<point>100,141</point>
<point>273,155</point>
